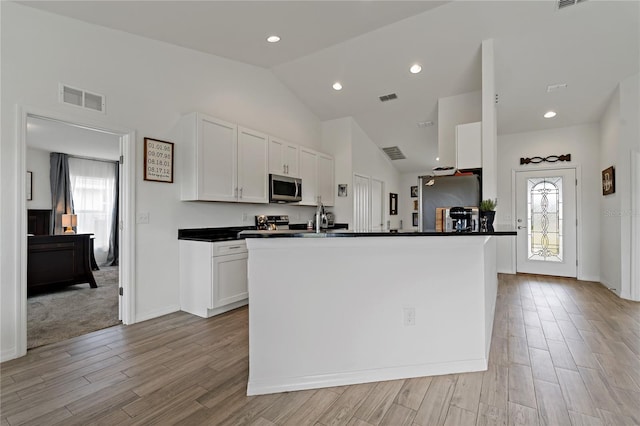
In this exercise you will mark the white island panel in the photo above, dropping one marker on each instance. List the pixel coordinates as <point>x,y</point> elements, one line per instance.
<point>331,311</point>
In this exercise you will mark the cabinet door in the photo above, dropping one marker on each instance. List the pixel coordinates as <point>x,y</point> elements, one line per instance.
<point>309,176</point>
<point>252,166</point>
<point>326,179</point>
<point>276,157</point>
<point>217,160</point>
<point>469,146</point>
<point>229,279</point>
<point>290,156</point>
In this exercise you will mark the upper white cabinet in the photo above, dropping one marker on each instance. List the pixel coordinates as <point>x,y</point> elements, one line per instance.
<point>221,161</point>
<point>326,179</point>
<point>469,146</point>
<point>283,158</point>
<point>316,172</point>
<point>252,166</point>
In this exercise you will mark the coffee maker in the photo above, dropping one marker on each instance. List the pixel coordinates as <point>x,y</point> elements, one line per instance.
<point>463,219</point>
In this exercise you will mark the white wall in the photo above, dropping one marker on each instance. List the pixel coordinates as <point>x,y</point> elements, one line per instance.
<point>582,142</point>
<point>354,152</point>
<point>620,138</point>
<point>369,160</point>
<point>610,204</point>
<point>454,110</point>
<point>405,202</point>
<point>148,85</point>
<point>336,140</point>
<point>38,164</point>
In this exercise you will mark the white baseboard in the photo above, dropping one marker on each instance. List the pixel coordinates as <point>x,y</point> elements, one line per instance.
<point>593,278</point>
<point>157,313</point>
<point>8,354</point>
<point>261,387</point>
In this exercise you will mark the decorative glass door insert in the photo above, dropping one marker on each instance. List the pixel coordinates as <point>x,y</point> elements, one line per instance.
<point>544,219</point>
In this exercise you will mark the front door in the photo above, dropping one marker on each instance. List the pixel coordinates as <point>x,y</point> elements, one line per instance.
<point>546,221</point>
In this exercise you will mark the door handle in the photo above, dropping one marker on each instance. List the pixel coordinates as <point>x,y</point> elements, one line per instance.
<point>521,227</point>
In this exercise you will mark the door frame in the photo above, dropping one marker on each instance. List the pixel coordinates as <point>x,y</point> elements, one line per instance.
<point>579,238</point>
<point>127,220</point>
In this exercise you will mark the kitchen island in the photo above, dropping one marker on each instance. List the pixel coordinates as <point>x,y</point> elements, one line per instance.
<point>340,308</point>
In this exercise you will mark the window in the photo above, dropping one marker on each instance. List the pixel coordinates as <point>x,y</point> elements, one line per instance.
<point>93,185</point>
<point>544,219</point>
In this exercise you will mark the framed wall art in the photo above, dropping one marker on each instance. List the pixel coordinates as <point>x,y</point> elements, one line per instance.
<point>414,191</point>
<point>158,160</point>
<point>608,181</point>
<point>414,218</point>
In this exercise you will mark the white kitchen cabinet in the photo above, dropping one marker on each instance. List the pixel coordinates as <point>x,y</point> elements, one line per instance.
<point>252,166</point>
<point>326,179</point>
<point>221,161</point>
<point>316,172</point>
<point>213,276</point>
<point>283,157</point>
<point>309,176</point>
<point>469,146</point>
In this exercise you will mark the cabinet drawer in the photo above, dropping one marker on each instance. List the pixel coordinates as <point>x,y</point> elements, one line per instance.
<point>229,247</point>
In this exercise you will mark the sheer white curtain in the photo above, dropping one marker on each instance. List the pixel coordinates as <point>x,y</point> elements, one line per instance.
<point>93,185</point>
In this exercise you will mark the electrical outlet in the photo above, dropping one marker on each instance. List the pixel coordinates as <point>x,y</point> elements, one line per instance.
<point>409,316</point>
<point>142,217</point>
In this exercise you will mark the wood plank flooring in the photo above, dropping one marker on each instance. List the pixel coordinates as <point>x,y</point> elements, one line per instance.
<point>564,352</point>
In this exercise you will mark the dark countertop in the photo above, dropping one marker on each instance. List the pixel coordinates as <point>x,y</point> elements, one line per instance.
<point>213,234</point>
<point>231,233</point>
<point>344,233</point>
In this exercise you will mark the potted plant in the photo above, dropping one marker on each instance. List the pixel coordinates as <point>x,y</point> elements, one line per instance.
<point>488,210</point>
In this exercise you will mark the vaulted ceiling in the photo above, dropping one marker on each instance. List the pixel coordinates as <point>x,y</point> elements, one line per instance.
<point>369,46</point>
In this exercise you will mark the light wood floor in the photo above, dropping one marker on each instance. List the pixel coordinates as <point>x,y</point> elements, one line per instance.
<point>563,352</point>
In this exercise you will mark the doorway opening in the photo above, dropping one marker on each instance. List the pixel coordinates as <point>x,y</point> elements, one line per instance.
<point>78,309</point>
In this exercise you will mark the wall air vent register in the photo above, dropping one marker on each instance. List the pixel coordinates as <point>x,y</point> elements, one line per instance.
<point>81,98</point>
<point>394,153</point>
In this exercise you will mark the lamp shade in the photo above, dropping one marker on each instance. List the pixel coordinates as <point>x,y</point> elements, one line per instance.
<point>69,220</point>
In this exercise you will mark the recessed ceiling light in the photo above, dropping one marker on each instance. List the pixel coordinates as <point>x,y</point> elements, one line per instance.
<point>337,86</point>
<point>273,39</point>
<point>550,114</point>
<point>415,68</point>
<point>437,158</point>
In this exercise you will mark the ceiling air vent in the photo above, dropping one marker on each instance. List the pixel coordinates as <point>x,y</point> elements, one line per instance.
<point>566,3</point>
<point>389,97</point>
<point>81,98</point>
<point>394,153</point>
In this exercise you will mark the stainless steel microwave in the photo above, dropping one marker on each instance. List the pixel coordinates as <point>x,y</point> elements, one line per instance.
<point>284,189</point>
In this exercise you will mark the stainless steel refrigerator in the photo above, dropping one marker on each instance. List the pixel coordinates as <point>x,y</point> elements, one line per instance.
<point>445,191</point>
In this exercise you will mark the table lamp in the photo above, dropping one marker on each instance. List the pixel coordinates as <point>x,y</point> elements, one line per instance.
<point>69,221</point>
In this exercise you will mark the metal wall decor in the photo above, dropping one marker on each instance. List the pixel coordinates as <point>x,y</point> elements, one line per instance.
<point>549,159</point>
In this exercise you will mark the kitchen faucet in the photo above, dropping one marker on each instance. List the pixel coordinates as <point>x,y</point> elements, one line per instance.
<point>319,216</point>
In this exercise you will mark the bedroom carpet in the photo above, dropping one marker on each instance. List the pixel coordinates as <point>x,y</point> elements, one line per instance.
<point>74,310</point>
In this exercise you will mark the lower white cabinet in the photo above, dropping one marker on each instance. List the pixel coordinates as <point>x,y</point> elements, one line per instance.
<point>213,276</point>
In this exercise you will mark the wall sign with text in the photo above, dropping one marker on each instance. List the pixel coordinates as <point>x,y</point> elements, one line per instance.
<point>158,160</point>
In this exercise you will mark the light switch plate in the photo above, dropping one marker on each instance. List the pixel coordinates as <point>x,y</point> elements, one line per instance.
<point>142,217</point>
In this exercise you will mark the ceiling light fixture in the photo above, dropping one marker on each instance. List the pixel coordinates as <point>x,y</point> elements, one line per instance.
<point>273,39</point>
<point>337,86</point>
<point>437,158</point>
<point>415,68</point>
<point>550,114</point>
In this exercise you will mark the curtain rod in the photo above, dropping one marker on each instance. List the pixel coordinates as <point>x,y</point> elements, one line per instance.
<point>93,159</point>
